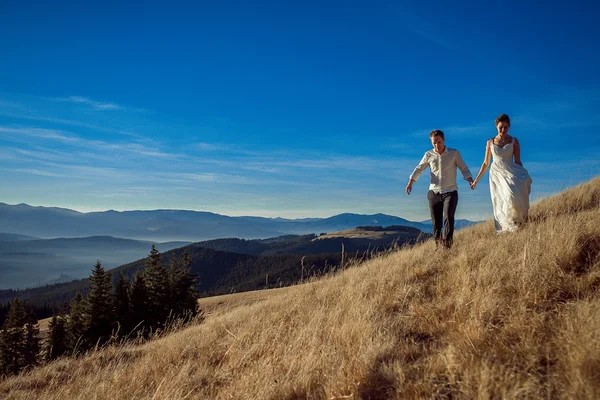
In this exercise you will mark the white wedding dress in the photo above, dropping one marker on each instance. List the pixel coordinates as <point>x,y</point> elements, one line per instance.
<point>510,185</point>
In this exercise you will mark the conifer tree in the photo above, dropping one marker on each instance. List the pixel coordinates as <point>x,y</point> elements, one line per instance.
<point>31,345</point>
<point>157,285</point>
<point>56,345</point>
<point>12,339</point>
<point>138,300</point>
<point>77,325</point>
<point>189,287</point>
<point>184,292</point>
<point>175,275</point>
<point>122,306</point>
<point>100,306</point>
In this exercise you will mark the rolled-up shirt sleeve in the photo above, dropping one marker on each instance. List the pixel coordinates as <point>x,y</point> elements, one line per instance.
<point>423,164</point>
<point>463,167</point>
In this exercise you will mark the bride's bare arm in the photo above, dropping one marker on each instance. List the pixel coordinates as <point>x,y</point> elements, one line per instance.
<point>486,163</point>
<point>517,153</point>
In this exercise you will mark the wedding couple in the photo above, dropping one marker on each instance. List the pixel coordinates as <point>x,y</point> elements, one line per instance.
<point>510,184</point>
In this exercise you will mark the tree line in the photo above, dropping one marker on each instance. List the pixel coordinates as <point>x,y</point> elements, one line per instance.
<point>155,296</point>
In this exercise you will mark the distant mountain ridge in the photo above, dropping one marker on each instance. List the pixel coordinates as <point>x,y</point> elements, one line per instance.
<point>175,225</point>
<point>15,237</point>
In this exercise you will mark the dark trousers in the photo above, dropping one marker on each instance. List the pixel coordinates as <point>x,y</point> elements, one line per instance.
<point>443,207</point>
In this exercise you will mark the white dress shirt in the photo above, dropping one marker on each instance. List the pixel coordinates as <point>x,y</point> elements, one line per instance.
<point>443,169</point>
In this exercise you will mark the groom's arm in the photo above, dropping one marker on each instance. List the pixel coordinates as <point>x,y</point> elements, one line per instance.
<point>423,164</point>
<point>463,168</point>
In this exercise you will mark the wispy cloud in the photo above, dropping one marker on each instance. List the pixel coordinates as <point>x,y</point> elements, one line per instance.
<point>421,27</point>
<point>137,149</point>
<point>96,105</point>
<point>551,168</point>
<point>45,154</point>
<point>62,121</point>
<point>421,31</point>
<point>325,166</point>
<point>209,147</point>
<point>33,171</point>
<point>92,173</point>
<point>529,121</point>
<point>234,179</point>
<point>41,133</point>
<point>18,134</point>
<point>12,105</point>
<point>226,148</point>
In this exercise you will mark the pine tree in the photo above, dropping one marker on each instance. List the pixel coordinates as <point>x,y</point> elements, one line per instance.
<point>31,347</point>
<point>100,306</point>
<point>175,275</point>
<point>138,300</point>
<point>56,345</point>
<point>77,325</point>
<point>189,287</point>
<point>157,285</point>
<point>184,291</point>
<point>122,306</point>
<point>12,339</point>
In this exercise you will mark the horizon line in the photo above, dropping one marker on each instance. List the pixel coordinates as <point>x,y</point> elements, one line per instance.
<point>199,211</point>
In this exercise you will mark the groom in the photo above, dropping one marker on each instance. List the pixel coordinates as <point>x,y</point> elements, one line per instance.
<point>443,191</point>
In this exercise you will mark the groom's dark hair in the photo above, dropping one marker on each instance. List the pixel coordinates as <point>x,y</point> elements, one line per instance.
<point>436,132</point>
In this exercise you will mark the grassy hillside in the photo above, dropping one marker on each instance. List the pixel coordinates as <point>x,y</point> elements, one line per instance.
<point>510,316</point>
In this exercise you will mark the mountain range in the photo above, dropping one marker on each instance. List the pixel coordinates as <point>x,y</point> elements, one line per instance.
<point>177,225</point>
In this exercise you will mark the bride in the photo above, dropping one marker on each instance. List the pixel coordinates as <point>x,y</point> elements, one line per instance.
<point>510,184</point>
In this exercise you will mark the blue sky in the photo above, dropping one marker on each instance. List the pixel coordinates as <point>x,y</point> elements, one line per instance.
<point>287,109</point>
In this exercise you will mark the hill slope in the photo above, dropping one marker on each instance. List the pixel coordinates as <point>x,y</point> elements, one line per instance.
<point>511,316</point>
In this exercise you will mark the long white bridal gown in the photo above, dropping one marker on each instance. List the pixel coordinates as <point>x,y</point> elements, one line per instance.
<point>510,185</point>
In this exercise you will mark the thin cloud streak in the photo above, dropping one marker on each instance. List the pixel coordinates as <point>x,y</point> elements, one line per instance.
<point>96,105</point>
<point>33,171</point>
<point>63,121</point>
<point>132,148</point>
<point>10,104</point>
<point>94,145</point>
<point>210,147</point>
<point>429,36</point>
<point>226,148</point>
<point>40,133</point>
<point>421,27</point>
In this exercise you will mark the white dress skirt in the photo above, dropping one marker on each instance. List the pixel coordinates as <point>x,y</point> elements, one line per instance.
<point>510,186</point>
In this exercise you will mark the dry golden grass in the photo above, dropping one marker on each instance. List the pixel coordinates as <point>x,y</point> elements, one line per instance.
<point>216,305</point>
<point>509,316</point>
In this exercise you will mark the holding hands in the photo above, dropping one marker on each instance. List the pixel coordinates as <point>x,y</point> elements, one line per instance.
<point>472,183</point>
